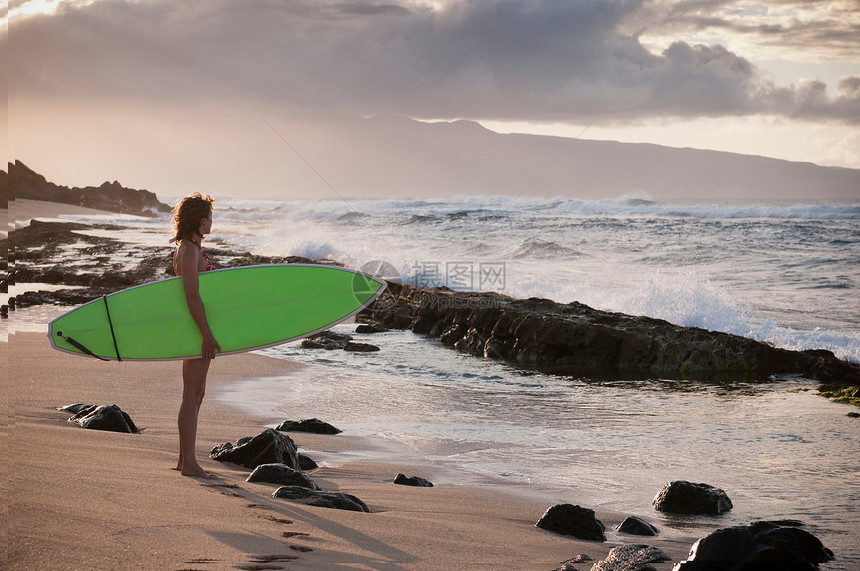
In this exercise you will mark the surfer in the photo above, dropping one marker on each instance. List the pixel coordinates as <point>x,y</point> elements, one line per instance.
<point>192,220</point>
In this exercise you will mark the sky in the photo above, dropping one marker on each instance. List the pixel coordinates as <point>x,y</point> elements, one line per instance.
<point>173,95</point>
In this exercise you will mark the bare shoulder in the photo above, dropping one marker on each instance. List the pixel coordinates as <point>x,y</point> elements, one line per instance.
<point>185,250</point>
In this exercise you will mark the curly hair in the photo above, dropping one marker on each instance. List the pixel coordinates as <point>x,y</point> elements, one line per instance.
<point>188,214</point>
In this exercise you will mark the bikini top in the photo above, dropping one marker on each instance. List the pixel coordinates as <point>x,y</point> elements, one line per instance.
<point>209,265</point>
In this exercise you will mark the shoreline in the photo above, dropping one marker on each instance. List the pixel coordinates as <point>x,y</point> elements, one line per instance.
<point>85,498</point>
<point>99,499</point>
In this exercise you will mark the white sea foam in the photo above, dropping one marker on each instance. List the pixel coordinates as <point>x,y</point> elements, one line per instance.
<point>781,273</point>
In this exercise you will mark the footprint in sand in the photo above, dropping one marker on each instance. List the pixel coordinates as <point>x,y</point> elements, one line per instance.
<point>294,534</point>
<point>259,562</point>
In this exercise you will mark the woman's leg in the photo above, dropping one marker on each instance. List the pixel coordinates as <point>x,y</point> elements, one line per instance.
<point>193,388</point>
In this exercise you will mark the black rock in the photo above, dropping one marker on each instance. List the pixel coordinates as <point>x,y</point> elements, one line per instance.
<point>313,425</point>
<point>853,414</point>
<point>306,462</point>
<point>683,497</point>
<point>74,408</point>
<point>105,417</point>
<point>631,557</point>
<point>360,347</point>
<point>268,447</point>
<point>327,340</point>
<point>574,339</point>
<point>413,481</point>
<point>637,526</point>
<point>316,498</point>
<point>568,519</point>
<point>282,475</point>
<point>761,545</point>
<point>370,328</point>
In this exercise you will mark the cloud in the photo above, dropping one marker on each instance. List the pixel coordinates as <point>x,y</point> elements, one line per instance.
<point>547,60</point>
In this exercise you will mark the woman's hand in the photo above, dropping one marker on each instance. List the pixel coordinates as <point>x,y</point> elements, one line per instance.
<point>210,346</point>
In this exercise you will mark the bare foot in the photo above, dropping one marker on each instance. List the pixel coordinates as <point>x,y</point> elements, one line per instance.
<point>195,472</point>
<point>179,465</point>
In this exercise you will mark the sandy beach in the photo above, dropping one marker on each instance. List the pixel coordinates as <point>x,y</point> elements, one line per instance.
<point>102,500</point>
<point>79,498</point>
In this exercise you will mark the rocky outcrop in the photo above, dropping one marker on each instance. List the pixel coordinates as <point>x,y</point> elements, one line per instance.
<point>110,196</point>
<point>631,557</point>
<point>576,521</point>
<point>683,497</point>
<point>268,447</point>
<point>40,257</point>
<point>762,545</point>
<point>576,339</point>
<point>106,417</point>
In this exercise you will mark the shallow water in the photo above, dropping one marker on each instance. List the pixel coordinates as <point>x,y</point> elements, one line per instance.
<point>778,452</point>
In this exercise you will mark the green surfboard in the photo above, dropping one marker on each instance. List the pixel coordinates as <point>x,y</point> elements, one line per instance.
<point>247,308</point>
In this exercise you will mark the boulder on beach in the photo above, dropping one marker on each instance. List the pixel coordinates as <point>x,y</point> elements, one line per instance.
<point>282,475</point>
<point>335,500</point>
<point>682,497</point>
<point>577,521</point>
<point>633,525</point>
<point>306,462</point>
<point>631,557</point>
<point>312,425</point>
<point>412,481</point>
<point>761,545</point>
<point>106,417</point>
<point>268,447</point>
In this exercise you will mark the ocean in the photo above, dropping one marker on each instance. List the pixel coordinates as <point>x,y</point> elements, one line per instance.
<point>783,273</point>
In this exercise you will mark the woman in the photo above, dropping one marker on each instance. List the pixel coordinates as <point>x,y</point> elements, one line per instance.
<point>192,220</point>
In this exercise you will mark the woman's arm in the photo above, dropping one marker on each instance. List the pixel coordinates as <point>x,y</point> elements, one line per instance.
<point>191,285</point>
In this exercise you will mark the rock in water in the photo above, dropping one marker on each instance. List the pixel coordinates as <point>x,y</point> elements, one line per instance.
<point>105,417</point>
<point>327,340</point>
<point>568,519</point>
<point>313,425</point>
<point>575,339</point>
<point>282,475</point>
<point>360,347</point>
<point>637,526</point>
<point>631,558</point>
<point>683,497</point>
<point>762,545</point>
<point>413,481</point>
<point>268,447</point>
<point>370,328</point>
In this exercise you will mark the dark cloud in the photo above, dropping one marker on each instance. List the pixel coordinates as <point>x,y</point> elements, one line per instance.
<point>482,59</point>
